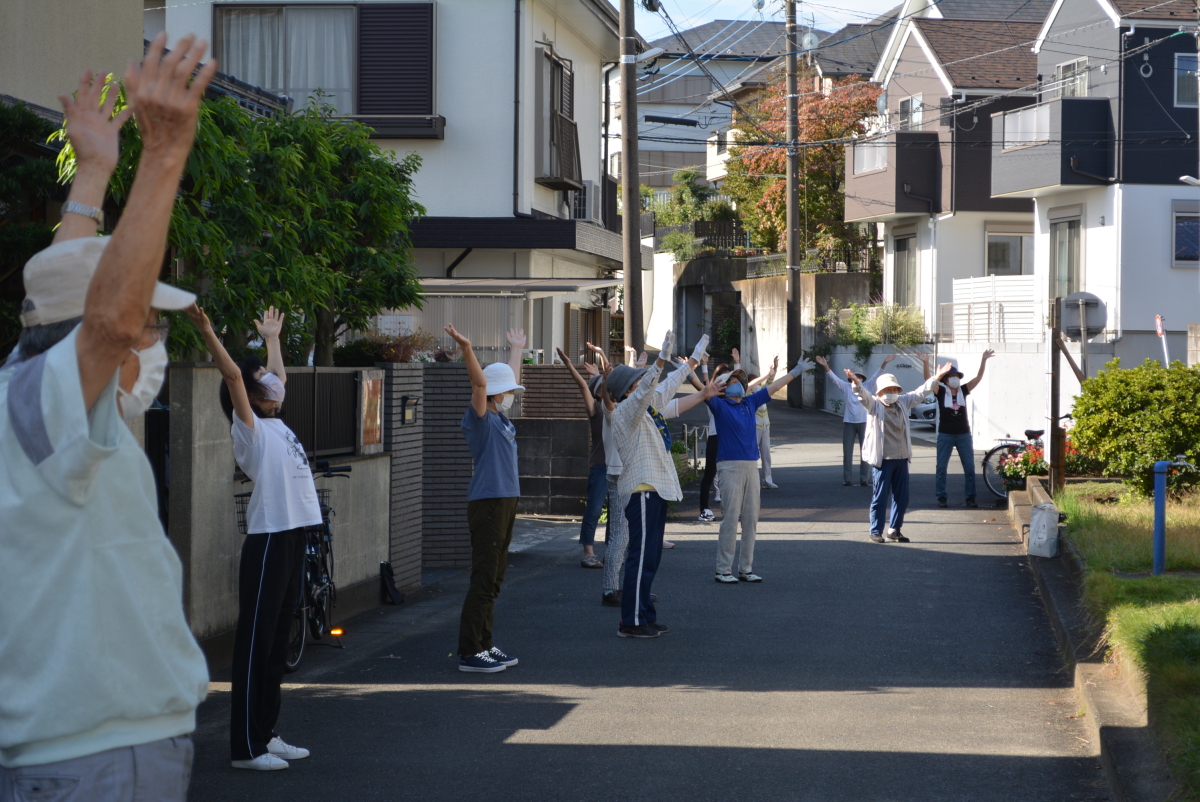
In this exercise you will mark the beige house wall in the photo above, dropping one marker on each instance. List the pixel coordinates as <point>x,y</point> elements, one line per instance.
<point>46,44</point>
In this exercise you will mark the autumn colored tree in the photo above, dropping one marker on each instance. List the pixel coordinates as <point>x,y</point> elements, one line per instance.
<point>757,168</point>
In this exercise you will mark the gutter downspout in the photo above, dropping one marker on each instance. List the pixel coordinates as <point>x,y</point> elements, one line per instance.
<point>608,68</point>
<point>454,264</point>
<point>517,113</point>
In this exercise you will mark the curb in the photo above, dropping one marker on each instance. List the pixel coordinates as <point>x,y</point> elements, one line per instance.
<point>1113,693</point>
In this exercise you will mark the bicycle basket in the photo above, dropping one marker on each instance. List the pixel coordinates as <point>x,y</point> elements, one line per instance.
<point>242,501</point>
<point>323,499</point>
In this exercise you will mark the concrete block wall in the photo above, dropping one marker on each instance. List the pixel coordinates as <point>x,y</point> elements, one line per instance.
<point>550,392</point>
<point>405,443</point>
<point>552,456</point>
<point>446,467</point>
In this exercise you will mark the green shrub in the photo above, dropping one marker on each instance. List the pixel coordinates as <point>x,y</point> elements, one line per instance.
<point>682,244</point>
<point>897,325</point>
<point>1130,419</point>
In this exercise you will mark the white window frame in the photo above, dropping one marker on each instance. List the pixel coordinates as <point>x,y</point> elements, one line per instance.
<point>1079,75</point>
<point>1195,59</point>
<point>913,118</point>
<point>1183,208</point>
<point>1066,214</point>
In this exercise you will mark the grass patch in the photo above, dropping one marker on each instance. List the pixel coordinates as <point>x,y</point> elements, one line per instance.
<point>1155,620</point>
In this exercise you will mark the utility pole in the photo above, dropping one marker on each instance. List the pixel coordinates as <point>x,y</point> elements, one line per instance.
<point>1056,457</point>
<point>793,134</point>
<point>631,201</point>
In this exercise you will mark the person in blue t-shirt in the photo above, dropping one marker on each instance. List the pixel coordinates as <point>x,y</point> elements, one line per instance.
<point>737,469</point>
<point>492,498</point>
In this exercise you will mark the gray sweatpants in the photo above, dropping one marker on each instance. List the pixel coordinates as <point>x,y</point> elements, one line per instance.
<point>850,431</point>
<point>159,770</point>
<point>616,537</point>
<point>739,501</point>
<point>764,450</point>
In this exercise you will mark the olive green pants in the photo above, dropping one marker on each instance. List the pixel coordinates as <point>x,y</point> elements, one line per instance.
<point>491,523</point>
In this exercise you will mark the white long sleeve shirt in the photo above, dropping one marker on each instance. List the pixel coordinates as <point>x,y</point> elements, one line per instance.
<point>854,412</point>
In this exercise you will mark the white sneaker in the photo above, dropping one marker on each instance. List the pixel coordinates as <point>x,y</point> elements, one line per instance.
<point>267,762</point>
<point>717,497</point>
<point>280,748</point>
<point>770,484</point>
<point>726,579</point>
<point>707,516</point>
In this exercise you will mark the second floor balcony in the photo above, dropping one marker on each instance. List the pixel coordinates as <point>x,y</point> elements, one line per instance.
<point>1062,144</point>
<point>893,176</point>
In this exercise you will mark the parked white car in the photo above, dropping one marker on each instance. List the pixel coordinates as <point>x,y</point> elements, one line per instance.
<point>924,412</point>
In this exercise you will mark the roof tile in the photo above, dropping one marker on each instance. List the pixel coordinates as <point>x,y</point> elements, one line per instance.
<point>983,54</point>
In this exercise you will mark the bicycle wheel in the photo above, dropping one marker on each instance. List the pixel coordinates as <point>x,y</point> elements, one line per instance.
<point>324,592</point>
<point>991,465</point>
<point>296,636</point>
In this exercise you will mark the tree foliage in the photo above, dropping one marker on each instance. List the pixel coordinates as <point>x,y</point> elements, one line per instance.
<point>1130,419</point>
<point>756,170</point>
<point>300,211</point>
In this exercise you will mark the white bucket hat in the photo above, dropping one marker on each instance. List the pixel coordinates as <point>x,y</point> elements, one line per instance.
<point>887,380</point>
<point>500,379</point>
<point>57,279</point>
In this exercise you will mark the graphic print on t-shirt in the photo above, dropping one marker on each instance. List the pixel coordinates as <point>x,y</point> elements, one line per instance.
<point>296,449</point>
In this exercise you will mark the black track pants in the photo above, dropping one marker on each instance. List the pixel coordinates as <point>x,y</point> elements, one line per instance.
<point>710,470</point>
<point>268,589</point>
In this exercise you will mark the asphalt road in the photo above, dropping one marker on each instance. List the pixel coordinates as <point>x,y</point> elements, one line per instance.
<point>855,671</point>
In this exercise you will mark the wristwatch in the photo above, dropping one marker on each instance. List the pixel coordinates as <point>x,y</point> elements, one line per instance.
<point>74,207</point>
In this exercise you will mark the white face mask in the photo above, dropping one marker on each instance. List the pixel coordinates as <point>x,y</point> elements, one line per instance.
<point>152,370</point>
<point>889,398</point>
<point>506,401</point>
<point>952,382</point>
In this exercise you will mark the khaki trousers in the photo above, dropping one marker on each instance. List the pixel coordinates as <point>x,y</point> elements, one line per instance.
<point>739,502</point>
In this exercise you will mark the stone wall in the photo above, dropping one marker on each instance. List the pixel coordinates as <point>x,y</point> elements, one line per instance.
<point>404,388</point>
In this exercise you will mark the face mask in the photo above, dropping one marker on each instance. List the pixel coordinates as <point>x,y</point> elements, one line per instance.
<point>952,382</point>
<point>276,389</point>
<point>735,390</point>
<point>889,398</point>
<point>152,370</point>
<point>506,401</point>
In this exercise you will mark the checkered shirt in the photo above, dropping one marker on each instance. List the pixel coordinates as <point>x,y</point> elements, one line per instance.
<point>638,440</point>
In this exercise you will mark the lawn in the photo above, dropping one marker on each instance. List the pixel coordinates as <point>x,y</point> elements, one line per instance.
<point>1154,620</point>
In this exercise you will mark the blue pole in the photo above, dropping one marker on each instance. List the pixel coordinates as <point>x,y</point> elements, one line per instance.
<point>1160,515</point>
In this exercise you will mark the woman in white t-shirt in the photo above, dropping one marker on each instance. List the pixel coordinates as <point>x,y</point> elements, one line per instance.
<point>283,503</point>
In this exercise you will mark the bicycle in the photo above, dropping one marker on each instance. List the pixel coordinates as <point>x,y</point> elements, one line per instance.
<point>318,590</point>
<point>991,461</point>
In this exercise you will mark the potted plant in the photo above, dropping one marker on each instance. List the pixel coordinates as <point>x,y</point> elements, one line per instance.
<point>1015,467</point>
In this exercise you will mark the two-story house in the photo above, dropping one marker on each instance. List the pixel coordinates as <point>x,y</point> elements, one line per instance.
<point>503,103</point>
<point>1101,156</point>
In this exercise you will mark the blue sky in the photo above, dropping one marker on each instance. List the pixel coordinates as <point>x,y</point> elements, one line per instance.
<point>828,15</point>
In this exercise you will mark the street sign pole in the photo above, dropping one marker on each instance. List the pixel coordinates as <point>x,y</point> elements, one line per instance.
<point>1161,329</point>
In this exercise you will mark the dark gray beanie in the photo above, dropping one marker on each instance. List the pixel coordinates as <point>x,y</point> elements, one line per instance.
<point>621,379</point>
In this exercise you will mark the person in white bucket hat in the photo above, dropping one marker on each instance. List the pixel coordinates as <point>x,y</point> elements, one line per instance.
<point>100,675</point>
<point>492,498</point>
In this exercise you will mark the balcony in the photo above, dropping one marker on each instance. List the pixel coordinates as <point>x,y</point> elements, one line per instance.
<point>993,309</point>
<point>894,176</point>
<point>1059,145</point>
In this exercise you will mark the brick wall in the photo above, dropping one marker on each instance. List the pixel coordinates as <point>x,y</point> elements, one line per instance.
<point>550,392</point>
<point>406,444</point>
<point>552,457</point>
<point>446,468</point>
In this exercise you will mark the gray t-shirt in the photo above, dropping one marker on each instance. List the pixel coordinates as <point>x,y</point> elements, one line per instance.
<point>493,443</point>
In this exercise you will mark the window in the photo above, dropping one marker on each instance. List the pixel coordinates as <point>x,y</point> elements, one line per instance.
<point>870,156</point>
<point>1185,79</point>
<point>369,59</point>
<point>557,136</point>
<point>1066,272</point>
<point>905,269</point>
<point>1185,233</point>
<point>910,112</point>
<point>1071,77</point>
<point>1009,254</point>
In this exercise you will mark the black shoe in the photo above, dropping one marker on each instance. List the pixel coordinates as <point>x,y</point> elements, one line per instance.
<point>659,628</point>
<point>864,484</point>
<point>640,631</point>
<point>896,536</point>
<point>876,538</point>
<point>611,599</point>
<point>845,484</point>
<point>942,502</point>
<point>971,502</point>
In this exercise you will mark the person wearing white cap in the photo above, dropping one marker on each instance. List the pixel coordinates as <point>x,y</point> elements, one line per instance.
<point>284,502</point>
<point>887,447</point>
<point>100,675</point>
<point>854,419</point>
<point>492,498</point>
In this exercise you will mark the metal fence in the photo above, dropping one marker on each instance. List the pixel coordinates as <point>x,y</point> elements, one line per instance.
<point>992,321</point>
<point>322,409</point>
<point>482,319</point>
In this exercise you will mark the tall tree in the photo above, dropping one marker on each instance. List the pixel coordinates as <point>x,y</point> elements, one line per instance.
<point>756,170</point>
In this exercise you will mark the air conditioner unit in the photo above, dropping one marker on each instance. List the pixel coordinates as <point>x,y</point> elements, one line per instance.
<point>587,203</point>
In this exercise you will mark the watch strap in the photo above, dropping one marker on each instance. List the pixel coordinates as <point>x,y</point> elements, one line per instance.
<point>74,207</point>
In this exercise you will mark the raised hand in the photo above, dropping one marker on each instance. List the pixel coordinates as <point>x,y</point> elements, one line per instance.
<point>591,369</point>
<point>668,346</point>
<point>774,366</point>
<point>458,338</point>
<point>197,316</point>
<point>92,129</point>
<point>737,356</point>
<point>641,360</point>
<point>713,388</point>
<point>944,369</point>
<point>820,360</point>
<point>801,366</point>
<point>921,355</point>
<point>988,354</point>
<point>850,377</point>
<point>700,352</point>
<point>165,97</point>
<point>887,360</point>
<point>516,337</point>
<point>271,324</point>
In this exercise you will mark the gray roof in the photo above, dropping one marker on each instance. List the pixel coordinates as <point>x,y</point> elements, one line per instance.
<point>858,56</point>
<point>732,38</point>
<point>1009,10</point>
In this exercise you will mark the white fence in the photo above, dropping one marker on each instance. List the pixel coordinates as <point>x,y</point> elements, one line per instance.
<point>482,319</point>
<point>994,309</point>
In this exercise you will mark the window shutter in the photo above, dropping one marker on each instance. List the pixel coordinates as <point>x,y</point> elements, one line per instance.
<point>568,93</point>
<point>395,58</point>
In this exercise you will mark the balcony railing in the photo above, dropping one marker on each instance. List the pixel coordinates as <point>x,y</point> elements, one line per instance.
<point>1027,126</point>
<point>992,321</point>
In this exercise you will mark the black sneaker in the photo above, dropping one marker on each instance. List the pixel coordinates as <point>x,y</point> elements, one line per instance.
<point>659,628</point>
<point>500,657</point>
<point>876,538</point>
<point>640,631</point>
<point>942,502</point>
<point>896,536</point>
<point>611,599</point>
<point>971,502</point>
<point>845,484</point>
<point>482,663</point>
